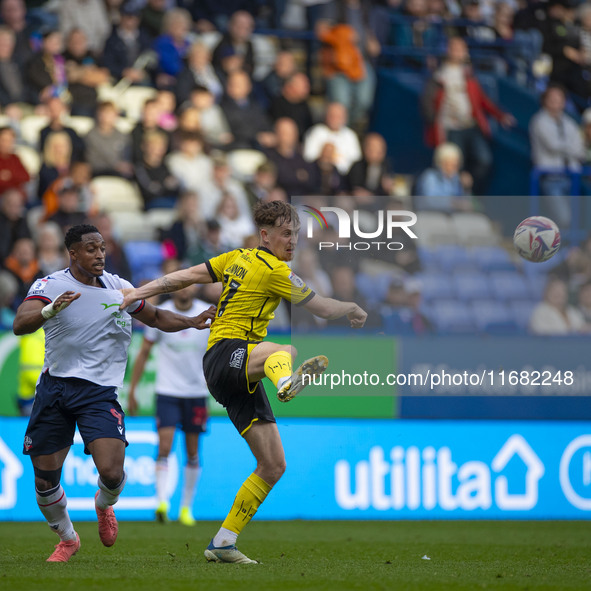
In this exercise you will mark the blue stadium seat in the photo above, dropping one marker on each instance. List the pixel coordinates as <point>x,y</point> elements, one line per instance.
<point>509,286</point>
<point>145,258</point>
<point>493,317</point>
<point>521,311</point>
<point>472,285</point>
<point>436,286</point>
<point>536,284</point>
<point>451,316</point>
<point>428,257</point>
<point>373,287</point>
<point>492,258</point>
<point>453,257</point>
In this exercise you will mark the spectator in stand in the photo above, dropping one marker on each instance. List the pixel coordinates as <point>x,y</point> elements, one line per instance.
<point>235,226</point>
<point>248,122</point>
<point>22,263</point>
<point>12,86</point>
<point>222,183</point>
<point>51,254</point>
<point>88,15</point>
<point>83,74</point>
<point>13,221</point>
<point>238,40</point>
<point>503,21</point>
<point>189,121</point>
<point>554,316</point>
<point>578,51</point>
<point>416,28</point>
<point>372,174</point>
<point>292,102</point>
<point>148,122</point>
<point>14,15</point>
<point>152,17</point>
<point>159,188</point>
<point>107,148</point>
<point>283,69</point>
<point>557,146</point>
<point>172,46</point>
<point>402,310</point>
<point>556,30</point>
<point>586,133</point>
<point>45,72</point>
<point>68,212</point>
<point>343,282</point>
<point>210,15</point>
<point>333,131</point>
<point>328,179</point>
<point>455,108</point>
<point>125,44</point>
<point>13,175</point>
<point>8,292</point>
<point>57,112</point>
<point>584,301</point>
<point>210,245</point>
<point>189,164</point>
<point>264,181</point>
<point>214,125</point>
<point>185,232</point>
<point>198,73</point>
<point>295,175</point>
<point>115,260</point>
<point>57,158</point>
<point>166,100</point>
<point>79,176</point>
<point>444,187</point>
<point>351,49</point>
<point>474,27</point>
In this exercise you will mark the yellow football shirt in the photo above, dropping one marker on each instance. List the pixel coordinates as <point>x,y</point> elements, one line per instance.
<point>254,281</point>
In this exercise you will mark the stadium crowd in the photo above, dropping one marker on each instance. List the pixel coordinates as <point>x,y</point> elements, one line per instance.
<point>209,91</point>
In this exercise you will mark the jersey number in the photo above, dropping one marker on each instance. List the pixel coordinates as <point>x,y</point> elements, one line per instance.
<point>234,285</point>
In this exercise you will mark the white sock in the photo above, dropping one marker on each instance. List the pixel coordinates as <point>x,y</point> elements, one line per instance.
<point>225,537</point>
<point>282,381</point>
<point>192,473</point>
<point>53,505</point>
<point>109,496</point>
<point>162,479</point>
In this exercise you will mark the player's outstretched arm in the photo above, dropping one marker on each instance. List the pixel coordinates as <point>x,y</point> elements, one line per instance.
<point>171,282</point>
<point>169,321</point>
<point>32,314</point>
<point>330,309</point>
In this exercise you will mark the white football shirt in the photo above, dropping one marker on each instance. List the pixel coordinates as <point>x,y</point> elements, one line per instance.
<point>179,358</point>
<point>89,339</point>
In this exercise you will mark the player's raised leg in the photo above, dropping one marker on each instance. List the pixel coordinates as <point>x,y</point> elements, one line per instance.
<point>265,443</point>
<point>108,455</point>
<point>52,502</point>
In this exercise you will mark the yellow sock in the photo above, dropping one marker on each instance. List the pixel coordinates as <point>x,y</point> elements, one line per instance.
<point>252,493</point>
<point>277,366</point>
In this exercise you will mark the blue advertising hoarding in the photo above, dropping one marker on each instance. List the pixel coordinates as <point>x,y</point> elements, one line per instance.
<point>345,469</point>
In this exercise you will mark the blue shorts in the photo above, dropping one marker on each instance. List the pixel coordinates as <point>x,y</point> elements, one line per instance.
<point>188,413</point>
<point>60,404</point>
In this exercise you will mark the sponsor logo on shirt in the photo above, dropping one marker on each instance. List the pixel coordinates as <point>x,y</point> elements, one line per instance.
<point>40,284</point>
<point>295,280</point>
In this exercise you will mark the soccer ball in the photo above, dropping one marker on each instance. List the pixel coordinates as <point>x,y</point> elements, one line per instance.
<point>537,239</point>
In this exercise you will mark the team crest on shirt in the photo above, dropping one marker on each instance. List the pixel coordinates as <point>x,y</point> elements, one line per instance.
<point>28,443</point>
<point>237,358</point>
<point>295,280</point>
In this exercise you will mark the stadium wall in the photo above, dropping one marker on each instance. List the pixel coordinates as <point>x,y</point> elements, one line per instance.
<point>345,469</point>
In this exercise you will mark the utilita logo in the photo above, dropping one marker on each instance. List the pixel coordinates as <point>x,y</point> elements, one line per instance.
<point>379,239</point>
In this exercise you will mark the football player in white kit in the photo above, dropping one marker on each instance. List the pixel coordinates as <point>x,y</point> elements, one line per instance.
<point>86,342</point>
<point>181,398</point>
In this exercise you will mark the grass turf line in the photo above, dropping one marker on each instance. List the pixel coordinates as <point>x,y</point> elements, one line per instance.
<point>310,555</point>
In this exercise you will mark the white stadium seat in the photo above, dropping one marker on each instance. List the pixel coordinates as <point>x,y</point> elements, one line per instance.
<point>243,163</point>
<point>114,194</point>
<point>31,127</point>
<point>30,159</point>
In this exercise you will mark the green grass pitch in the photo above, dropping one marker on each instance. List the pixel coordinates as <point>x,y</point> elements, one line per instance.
<point>308,555</point>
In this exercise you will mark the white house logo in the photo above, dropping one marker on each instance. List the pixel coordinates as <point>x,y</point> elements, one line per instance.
<point>11,469</point>
<point>575,472</point>
<point>355,235</point>
<point>412,478</point>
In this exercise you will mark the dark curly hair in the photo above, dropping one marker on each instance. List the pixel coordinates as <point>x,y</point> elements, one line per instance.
<point>75,233</point>
<point>275,213</point>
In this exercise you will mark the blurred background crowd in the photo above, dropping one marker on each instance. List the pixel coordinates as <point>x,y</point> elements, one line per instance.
<point>162,122</point>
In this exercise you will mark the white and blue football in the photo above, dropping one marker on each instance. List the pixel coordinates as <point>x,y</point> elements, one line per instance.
<point>537,239</point>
